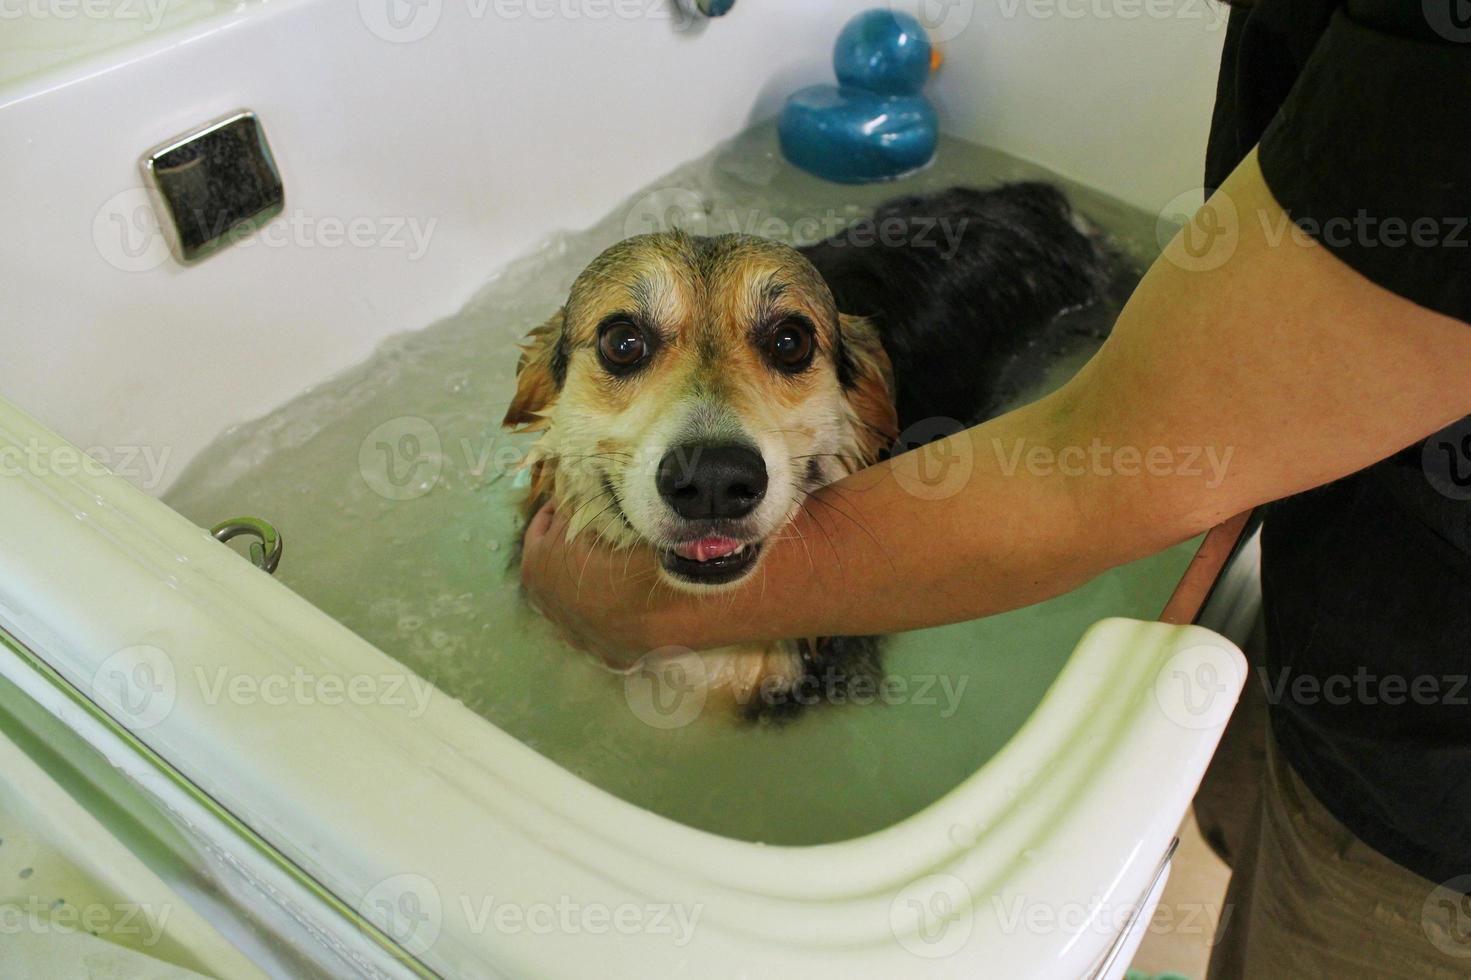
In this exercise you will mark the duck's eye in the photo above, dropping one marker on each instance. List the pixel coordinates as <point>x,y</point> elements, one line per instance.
<point>621,345</point>
<point>791,345</point>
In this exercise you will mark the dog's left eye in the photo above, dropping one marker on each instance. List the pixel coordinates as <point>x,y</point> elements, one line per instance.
<point>622,345</point>
<point>791,345</point>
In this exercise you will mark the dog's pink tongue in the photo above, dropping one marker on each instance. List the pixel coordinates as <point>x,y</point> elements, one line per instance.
<point>708,548</point>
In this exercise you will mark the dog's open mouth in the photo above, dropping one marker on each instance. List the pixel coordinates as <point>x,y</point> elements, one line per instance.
<point>712,560</point>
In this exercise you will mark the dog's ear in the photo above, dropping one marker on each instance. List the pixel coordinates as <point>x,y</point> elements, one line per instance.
<point>539,376</point>
<point>867,379</point>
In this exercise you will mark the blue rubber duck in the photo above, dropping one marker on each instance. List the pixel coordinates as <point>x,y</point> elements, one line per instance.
<point>875,124</point>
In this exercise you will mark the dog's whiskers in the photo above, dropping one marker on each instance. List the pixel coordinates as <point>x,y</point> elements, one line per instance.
<point>861,525</point>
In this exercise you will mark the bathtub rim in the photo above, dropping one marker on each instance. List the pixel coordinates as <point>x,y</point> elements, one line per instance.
<point>757,895</point>
<point>261,864</point>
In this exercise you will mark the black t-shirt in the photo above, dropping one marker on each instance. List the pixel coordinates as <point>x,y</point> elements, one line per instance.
<point>1362,110</point>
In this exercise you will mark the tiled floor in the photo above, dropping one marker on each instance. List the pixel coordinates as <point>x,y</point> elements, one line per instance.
<point>1179,937</point>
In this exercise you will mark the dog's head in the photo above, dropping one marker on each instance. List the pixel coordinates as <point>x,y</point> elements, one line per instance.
<point>692,392</point>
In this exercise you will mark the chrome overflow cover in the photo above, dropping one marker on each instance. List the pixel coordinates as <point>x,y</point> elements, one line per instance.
<point>265,550</point>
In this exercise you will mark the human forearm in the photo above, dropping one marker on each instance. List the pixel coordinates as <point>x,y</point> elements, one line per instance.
<point>1231,379</point>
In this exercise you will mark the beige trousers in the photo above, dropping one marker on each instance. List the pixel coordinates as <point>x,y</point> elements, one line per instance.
<point>1309,900</point>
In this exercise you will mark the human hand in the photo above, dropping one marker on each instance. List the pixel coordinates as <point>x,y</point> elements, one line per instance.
<point>610,603</point>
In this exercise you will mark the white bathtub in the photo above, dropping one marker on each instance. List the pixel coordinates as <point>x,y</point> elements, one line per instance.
<point>326,821</point>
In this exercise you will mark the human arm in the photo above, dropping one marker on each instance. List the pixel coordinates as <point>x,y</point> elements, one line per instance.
<point>1286,363</point>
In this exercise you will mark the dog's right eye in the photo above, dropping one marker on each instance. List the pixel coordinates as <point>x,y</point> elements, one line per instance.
<point>621,346</point>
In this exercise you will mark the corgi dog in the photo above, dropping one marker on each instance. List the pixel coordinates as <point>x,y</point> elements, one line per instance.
<point>694,391</point>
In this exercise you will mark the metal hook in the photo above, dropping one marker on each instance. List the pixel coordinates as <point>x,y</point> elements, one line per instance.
<point>265,551</point>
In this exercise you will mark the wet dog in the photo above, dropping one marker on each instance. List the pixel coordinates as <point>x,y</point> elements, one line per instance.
<point>693,392</point>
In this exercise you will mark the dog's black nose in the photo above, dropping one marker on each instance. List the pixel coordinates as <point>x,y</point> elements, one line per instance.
<point>712,481</point>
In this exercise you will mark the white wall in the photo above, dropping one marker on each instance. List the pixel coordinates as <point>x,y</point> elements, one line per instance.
<point>1112,93</point>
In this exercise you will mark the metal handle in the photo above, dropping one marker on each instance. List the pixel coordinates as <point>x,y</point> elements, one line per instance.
<point>265,551</point>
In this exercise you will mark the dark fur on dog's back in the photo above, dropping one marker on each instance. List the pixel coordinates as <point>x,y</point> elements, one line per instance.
<point>950,323</point>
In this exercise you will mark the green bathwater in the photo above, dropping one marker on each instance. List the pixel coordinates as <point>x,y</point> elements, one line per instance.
<point>391,486</point>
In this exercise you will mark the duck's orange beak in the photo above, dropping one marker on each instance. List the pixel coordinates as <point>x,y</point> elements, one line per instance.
<point>937,58</point>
